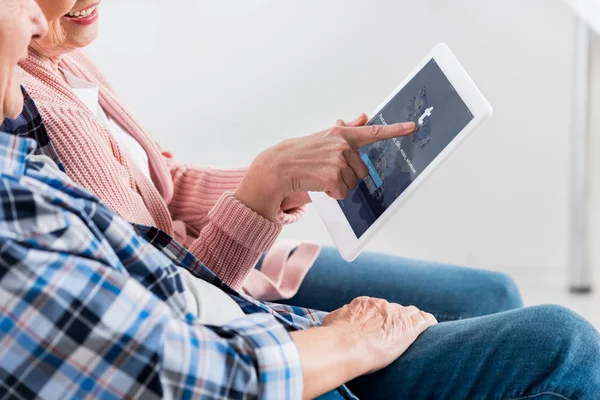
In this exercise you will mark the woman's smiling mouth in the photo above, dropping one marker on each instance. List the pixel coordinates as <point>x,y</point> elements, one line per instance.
<point>82,13</point>
<point>86,16</point>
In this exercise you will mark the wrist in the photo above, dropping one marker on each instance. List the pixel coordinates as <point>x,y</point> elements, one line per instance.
<point>354,348</point>
<point>260,190</point>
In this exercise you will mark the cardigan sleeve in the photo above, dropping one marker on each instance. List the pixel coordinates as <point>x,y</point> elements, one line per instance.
<point>228,237</point>
<point>197,189</point>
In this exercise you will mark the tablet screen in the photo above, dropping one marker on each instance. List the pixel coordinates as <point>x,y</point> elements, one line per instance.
<point>429,100</point>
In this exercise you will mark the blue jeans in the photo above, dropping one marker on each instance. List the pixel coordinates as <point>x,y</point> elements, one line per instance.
<point>487,346</point>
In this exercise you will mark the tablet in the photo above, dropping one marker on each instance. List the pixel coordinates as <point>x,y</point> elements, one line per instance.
<point>443,101</point>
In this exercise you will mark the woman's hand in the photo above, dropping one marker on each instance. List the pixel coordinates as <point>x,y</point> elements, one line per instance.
<point>295,200</point>
<point>382,330</point>
<point>299,199</point>
<point>326,161</point>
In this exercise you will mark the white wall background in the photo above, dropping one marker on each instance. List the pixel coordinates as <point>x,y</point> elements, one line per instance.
<point>218,81</point>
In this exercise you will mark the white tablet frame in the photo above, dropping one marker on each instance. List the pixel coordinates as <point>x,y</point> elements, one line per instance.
<point>330,211</point>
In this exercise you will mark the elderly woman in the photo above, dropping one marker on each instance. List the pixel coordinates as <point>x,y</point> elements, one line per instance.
<point>228,218</point>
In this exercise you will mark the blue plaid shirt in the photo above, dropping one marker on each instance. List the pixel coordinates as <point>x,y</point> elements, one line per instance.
<point>93,307</point>
<point>29,124</point>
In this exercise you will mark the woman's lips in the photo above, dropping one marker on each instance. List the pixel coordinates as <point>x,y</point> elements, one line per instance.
<point>84,17</point>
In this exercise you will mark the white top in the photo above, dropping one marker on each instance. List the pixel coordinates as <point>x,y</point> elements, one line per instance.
<point>87,92</point>
<point>211,305</point>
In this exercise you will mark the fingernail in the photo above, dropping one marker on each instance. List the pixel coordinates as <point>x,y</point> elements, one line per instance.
<point>409,126</point>
<point>358,118</point>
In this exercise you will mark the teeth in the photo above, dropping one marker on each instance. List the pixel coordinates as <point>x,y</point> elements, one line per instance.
<point>81,14</point>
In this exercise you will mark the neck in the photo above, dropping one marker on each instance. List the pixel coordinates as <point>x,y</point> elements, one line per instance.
<point>53,60</point>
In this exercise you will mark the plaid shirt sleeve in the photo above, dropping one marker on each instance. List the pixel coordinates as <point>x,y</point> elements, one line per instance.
<point>77,321</point>
<point>77,329</point>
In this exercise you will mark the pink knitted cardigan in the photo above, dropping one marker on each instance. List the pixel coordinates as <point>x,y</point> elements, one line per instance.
<point>195,205</point>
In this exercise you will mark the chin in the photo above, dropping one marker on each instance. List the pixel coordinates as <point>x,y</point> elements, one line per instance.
<point>85,36</point>
<point>13,109</point>
<point>13,100</point>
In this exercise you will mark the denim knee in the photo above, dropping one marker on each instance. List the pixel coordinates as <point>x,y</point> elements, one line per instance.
<point>572,342</point>
<point>563,325</point>
<point>502,293</point>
